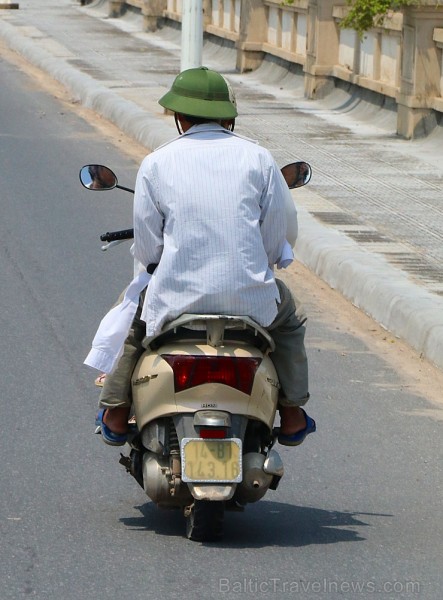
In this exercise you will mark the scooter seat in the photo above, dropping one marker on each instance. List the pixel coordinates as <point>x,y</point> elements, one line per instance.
<point>215,330</point>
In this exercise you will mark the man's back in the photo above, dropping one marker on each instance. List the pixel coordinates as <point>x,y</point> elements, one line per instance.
<point>211,205</point>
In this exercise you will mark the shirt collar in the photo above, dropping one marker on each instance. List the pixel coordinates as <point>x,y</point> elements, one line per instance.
<point>216,128</point>
<point>206,127</point>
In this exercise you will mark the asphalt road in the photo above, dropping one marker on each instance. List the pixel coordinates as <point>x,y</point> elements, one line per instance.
<point>358,514</point>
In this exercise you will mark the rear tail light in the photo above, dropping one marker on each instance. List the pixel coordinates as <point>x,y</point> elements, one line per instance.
<point>191,370</point>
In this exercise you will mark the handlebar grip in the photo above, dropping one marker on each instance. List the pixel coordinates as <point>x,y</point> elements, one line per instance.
<point>112,236</point>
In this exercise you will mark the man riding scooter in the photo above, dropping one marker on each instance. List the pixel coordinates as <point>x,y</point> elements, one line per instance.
<point>210,221</point>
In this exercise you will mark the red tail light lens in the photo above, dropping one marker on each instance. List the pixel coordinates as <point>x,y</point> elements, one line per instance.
<point>190,371</point>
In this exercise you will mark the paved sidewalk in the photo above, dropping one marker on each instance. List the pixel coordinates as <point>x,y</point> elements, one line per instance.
<point>371,220</point>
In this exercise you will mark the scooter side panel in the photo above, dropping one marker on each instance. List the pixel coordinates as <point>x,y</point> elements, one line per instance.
<point>153,393</point>
<point>264,395</point>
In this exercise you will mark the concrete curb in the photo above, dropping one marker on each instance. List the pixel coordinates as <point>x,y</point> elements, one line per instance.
<point>368,280</point>
<point>372,284</point>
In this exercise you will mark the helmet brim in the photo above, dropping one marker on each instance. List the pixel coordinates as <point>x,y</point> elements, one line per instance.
<point>195,107</point>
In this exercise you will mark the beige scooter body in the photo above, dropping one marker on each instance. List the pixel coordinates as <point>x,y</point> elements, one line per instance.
<point>171,420</point>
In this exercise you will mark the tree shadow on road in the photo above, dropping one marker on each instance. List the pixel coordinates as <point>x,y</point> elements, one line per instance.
<point>264,524</point>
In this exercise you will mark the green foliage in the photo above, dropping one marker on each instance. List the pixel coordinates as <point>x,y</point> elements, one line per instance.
<point>365,14</point>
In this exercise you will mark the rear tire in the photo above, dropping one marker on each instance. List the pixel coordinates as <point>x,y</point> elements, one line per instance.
<point>204,522</point>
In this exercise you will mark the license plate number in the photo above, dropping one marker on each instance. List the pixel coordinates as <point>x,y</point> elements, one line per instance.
<point>209,461</point>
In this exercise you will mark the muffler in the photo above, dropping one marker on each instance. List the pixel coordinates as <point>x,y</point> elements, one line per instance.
<point>255,482</point>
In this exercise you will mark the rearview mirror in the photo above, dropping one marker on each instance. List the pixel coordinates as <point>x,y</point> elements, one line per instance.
<point>98,177</point>
<point>297,174</point>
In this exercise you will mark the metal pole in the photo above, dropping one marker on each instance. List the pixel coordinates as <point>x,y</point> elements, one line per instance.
<point>192,34</point>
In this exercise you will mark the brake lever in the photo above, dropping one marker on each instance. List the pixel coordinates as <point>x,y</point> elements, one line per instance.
<point>110,244</point>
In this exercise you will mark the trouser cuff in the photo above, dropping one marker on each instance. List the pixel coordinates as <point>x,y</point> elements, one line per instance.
<point>283,401</point>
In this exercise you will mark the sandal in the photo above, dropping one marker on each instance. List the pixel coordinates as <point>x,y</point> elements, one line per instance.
<point>109,437</point>
<point>295,439</point>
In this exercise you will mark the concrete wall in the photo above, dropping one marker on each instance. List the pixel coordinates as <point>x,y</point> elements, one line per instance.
<point>402,59</point>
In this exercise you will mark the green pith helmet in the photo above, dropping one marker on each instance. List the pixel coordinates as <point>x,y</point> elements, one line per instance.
<point>200,93</point>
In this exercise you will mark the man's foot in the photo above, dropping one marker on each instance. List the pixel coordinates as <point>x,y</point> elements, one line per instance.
<point>100,380</point>
<point>295,426</point>
<point>293,419</point>
<point>116,419</point>
<point>114,425</point>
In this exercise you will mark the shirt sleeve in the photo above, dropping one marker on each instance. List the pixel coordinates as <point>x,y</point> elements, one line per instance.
<point>292,220</point>
<point>148,218</point>
<point>274,223</point>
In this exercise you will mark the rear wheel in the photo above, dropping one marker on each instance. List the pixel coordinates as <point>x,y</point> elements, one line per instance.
<point>204,521</point>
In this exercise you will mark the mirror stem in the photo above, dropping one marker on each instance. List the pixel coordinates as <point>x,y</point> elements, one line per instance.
<point>121,187</point>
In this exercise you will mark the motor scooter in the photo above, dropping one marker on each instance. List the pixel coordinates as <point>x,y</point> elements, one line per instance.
<point>205,394</point>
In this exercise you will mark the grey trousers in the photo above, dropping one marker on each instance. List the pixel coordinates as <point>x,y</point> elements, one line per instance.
<point>289,358</point>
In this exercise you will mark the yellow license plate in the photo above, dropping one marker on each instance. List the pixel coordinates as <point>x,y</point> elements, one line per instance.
<point>211,461</point>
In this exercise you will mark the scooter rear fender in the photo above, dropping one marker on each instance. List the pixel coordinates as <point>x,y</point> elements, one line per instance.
<point>154,394</point>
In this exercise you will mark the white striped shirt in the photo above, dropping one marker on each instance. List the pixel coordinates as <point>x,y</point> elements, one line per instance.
<point>212,206</point>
